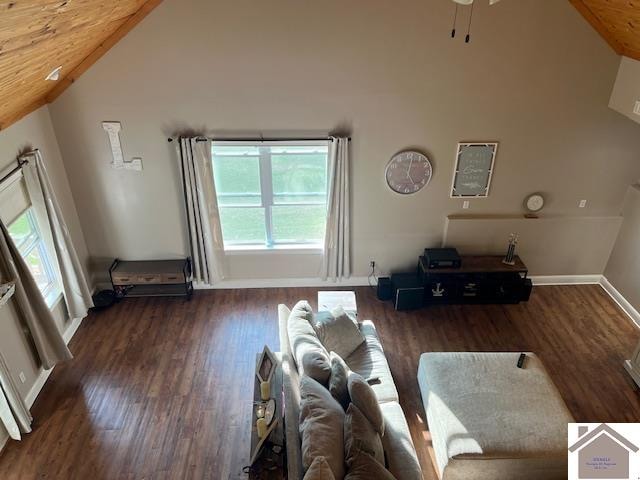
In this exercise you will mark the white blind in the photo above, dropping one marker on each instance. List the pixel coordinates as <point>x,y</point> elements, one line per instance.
<point>14,198</point>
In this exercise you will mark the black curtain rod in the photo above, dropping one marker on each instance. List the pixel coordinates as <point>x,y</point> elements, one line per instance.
<point>262,139</point>
<point>21,163</point>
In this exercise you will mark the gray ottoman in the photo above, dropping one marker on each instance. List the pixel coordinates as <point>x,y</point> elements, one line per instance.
<point>491,420</point>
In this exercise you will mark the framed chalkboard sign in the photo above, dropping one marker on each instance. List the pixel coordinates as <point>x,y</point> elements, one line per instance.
<point>474,168</point>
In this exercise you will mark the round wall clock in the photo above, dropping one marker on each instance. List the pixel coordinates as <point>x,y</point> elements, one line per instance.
<point>534,202</point>
<point>408,172</point>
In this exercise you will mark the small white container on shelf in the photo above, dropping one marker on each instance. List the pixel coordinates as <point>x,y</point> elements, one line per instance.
<point>6,292</point>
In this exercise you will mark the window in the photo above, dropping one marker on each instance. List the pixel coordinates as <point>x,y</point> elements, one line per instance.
<point>271,194</point>
<point>26,235</point>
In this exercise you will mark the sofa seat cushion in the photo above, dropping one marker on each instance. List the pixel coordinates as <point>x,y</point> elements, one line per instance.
<point>481,407</point>
<point>402,460</point>
<point>369,361</point>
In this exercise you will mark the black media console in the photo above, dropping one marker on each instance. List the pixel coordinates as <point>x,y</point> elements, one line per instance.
<point>478,279</point>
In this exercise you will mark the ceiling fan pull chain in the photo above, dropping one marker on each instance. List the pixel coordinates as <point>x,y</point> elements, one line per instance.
<point>455,19</point>
<point>468,37</point>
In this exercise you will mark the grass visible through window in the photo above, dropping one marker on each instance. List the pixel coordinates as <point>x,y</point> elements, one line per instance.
<point>294,180</point>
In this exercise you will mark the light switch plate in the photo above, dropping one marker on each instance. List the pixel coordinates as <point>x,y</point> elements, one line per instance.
<point>582,204</point>
<point>465,204</point>
<point>636,109</point>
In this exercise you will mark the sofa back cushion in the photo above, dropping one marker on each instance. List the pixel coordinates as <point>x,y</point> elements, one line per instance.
<point>365,467</point>
<point>363,397</point>
<point>321,426</point>
<point>359,435</point>
<point>338,332</point>
<point>319,470</point>
<point>338,380</point>
<point>310,356</point>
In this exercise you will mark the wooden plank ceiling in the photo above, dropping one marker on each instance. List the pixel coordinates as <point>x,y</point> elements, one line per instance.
<point>37,36</point>
<point>618,21</point>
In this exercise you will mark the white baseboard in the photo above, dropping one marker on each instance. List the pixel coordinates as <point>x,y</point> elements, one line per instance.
<point>44,375</point>
<point>566,279</point>
<point>71,330</point>
<point>285,283</point>
<point>37,387</point>
<point>624,304</point>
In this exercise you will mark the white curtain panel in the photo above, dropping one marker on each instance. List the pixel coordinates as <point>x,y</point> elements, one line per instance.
<point>50,345</point>
<point>201,203</point>
<point>336,262</point>
<point>77,294</point>
<point>14,413</point>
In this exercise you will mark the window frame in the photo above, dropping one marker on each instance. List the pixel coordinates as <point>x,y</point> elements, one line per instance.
<point>267,196</point>
<point>35,241</point>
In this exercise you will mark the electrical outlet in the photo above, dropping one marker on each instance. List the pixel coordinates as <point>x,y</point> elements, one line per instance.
<point>582,204</point>
<point>465,204</point>
<point>22,377</point>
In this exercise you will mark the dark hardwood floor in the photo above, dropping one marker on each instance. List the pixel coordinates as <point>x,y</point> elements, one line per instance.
<point>162,388</point>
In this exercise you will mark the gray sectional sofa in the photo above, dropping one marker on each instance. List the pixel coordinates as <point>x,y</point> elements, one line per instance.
<point>369,361</point>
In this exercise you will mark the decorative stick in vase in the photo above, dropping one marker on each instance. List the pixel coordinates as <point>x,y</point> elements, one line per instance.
<point>509,259</point>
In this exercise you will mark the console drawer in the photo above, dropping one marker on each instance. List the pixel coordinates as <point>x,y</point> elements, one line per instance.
<point>150,278</point>
<point>172,278</point>
<point>123,278</point>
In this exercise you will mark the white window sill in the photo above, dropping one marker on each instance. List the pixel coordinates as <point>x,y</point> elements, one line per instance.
<point>53,299</point>
<point>296,249</point>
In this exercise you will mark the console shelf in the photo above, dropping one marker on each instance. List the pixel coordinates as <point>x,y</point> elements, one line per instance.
<point>152,278</point>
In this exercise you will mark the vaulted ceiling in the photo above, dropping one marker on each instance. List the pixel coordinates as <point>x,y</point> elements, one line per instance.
<point>37,36</point>
<point>618,21</point>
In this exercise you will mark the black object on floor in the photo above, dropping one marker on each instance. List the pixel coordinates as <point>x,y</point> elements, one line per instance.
<point>408,291</point>
<point>103,299</point>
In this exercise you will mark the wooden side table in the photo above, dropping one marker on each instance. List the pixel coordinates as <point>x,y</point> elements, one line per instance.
<point>271,463</point>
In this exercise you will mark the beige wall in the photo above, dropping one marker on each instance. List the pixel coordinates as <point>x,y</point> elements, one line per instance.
<point>34,131</point>
<point>535,77</point>
<point>550,245</point>
<point>623,269</point>
<point>626,91</point>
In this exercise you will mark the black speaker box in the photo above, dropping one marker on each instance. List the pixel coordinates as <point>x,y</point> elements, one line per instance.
<point>409,298</point>
<point>408,291</point>
<point>385,289</point>
<point>527,286</point>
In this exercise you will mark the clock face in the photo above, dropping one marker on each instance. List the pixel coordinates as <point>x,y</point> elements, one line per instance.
<point>408,172</point>
<point>535,202</point>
